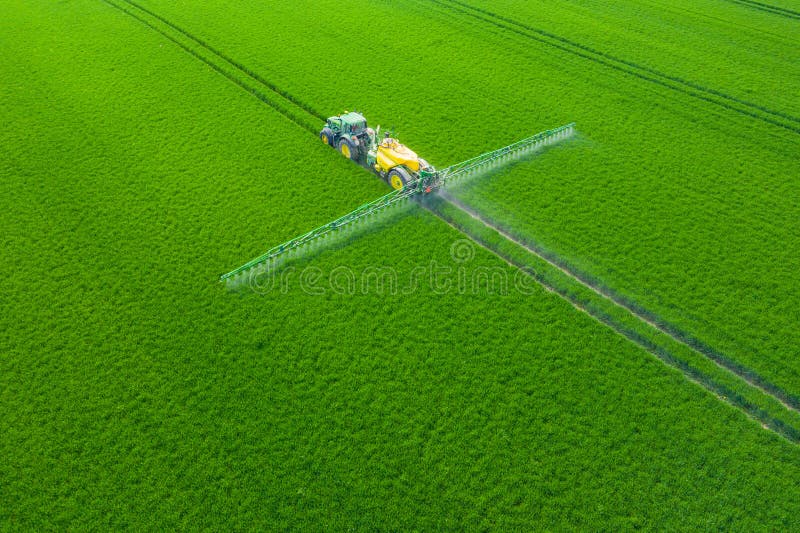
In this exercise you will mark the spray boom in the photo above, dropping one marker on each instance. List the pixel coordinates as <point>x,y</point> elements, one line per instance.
<point>426,181</point>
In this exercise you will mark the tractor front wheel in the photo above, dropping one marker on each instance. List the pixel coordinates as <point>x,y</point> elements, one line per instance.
<point>348,149</point>
<point>326,136</point>
<point>398,178</point>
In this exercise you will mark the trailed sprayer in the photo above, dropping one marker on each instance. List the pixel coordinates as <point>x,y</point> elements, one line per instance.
<point>386,156</point>
<point>407,173</point>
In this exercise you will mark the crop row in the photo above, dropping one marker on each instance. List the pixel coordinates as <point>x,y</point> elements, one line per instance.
<point>773,407</point>
<point>137,394</point>
<point>673,130</point>
<point>670,329</point>
<point>242,76</point>
<point>643,72</point>
<point>720,47</point>
<point>768,8</point>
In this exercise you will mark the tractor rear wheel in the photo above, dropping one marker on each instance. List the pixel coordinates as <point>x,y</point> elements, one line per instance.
<point>348,149</point>
<point>326,136</point>
<point>398,178</point>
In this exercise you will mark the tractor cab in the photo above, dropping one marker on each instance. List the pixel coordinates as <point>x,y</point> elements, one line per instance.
<point>349,134</point>
<point>350,123</point>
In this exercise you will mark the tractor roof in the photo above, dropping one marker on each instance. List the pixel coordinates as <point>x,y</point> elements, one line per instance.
<point>353,118</point>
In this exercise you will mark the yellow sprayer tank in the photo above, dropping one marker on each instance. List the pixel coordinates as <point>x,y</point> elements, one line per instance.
<point>391,154</point>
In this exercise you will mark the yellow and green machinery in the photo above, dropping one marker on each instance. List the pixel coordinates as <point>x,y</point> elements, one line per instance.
<point>386,156</point>
<point>409,175</point>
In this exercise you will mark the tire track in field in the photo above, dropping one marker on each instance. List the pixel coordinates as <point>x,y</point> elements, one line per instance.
<point>789,401</point>
<point>767,8</point>
<point>721,391</point>
<point>288,99</point>
<point>627,63</point>
<point>677,9</point>
<point>674,83</point>
<point>249,72</point>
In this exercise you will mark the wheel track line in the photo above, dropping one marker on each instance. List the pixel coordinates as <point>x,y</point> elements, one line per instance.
<point>284,95</point>
<point>632,69</point>
<point>249,72</point>
<point>628,63</point>
<point>767,8</point>
<point>288,96</point>
<point>787,400</point>
<point>676,9</point>
<point>722,392</point>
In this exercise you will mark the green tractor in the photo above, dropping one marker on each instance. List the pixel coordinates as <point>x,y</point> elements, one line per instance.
<point>386,157</point>
<point>349,134</point>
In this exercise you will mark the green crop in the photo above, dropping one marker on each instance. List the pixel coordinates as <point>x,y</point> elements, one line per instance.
<point>138,164</point>
<point>689,172</point>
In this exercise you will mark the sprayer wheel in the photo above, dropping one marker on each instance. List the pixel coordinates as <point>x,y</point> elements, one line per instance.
<point>398,178</point>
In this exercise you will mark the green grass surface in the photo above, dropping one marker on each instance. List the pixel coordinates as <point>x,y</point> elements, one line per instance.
<point>684,205</point>
<point>135,392</point>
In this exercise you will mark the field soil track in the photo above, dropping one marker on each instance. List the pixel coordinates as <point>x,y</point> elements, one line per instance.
<point>720,391</point>
<point>789,401</point>
<point>767,8</point>
<point>752,378</point>
<point>142,396</point>
<point>674,83</point>
<point>288,98</point>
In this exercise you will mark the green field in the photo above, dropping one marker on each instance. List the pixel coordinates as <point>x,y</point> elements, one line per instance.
<point>646,377</point>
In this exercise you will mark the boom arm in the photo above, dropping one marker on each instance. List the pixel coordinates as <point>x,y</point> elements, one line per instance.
<point>367,209</point>
<point>505,154</point>
<point>425,183</point>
